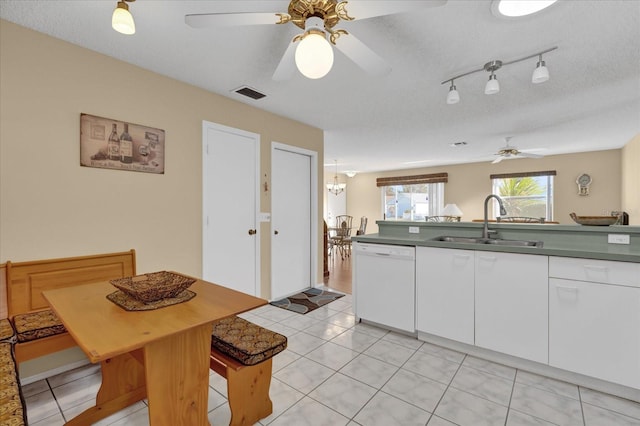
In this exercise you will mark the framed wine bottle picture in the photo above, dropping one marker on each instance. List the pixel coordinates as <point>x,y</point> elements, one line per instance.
<point>112,144</point>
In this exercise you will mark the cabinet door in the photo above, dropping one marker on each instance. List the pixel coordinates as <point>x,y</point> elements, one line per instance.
<point>594,329</point>
<point>512,304</point>
<point>444,293</point>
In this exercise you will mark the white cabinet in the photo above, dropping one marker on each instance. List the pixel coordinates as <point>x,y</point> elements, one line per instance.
<point>594,322</point>
<point>444,293</point>
<point>511,311</point>
<point>384,285</point>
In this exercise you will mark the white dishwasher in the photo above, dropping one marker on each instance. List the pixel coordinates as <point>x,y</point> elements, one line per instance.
<point>384,285</point>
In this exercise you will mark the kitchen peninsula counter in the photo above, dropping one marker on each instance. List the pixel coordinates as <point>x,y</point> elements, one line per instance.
<point>587,242</point>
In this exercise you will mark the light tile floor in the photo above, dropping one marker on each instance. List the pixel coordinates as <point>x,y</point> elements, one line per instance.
<point>337,372</point>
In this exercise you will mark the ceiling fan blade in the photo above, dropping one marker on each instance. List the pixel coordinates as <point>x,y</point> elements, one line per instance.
<point>529,155</point>
<point>497,160</point>
<point>362,55</point>
<point>363,9</point>
<point>230,19</point>
<point>287,65</point>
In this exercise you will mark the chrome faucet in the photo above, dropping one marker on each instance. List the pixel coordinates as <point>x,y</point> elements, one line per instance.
<point>503,211</point>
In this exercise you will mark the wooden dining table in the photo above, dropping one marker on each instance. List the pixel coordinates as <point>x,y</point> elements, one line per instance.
<point>161,354</point>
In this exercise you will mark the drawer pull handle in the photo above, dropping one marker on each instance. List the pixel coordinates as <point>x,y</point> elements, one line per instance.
<point>488,258</point>
<point>461,256</point>
<point>565,288</point>
<point>596,267</point>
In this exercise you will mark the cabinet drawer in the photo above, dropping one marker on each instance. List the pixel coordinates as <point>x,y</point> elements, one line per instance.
<point>600,271</point>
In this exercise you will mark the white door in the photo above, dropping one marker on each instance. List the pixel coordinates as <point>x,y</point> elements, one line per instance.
<point>229,199</point>
<point>292,221</point>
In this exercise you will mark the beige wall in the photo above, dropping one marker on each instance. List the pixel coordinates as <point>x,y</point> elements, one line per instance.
<point>469,184</point>
<point>631,180</point>
<point>52,207</point>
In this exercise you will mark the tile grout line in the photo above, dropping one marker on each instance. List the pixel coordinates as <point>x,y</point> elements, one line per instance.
<point>513,387</point>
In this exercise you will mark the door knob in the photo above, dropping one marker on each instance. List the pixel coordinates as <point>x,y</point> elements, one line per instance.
<point>252,231</point>
<point>275,232</point>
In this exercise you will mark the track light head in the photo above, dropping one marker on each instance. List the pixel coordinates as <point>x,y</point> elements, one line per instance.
<point>541,73</point>
<point>493,86</point>
<point>453,97</point>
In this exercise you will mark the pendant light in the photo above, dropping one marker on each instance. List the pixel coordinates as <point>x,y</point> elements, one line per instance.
<point>453,97</point>
<point>541,73</point>
<point>314,54</point>
<point>122,20</point>
<point>335,187</point>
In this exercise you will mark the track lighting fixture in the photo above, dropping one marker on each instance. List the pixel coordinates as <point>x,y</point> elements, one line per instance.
<point>453,97</point>
<point>540,75</point>
<point>122,20</point>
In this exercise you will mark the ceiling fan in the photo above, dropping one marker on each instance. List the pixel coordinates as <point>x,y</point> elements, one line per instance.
<point>510,152</point>
<point>310,51</point>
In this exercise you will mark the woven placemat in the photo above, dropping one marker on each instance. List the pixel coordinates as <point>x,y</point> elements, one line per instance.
<point>128,303</point>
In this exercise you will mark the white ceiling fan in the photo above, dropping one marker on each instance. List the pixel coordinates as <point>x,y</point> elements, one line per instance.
<point>510,152</point>
<point>312,52</point>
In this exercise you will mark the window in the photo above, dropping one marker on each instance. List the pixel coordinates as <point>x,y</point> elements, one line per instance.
<point>525,195</point>
<point>412,197</point>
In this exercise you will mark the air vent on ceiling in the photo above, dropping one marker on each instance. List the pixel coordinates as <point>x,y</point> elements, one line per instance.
<point>249,92</point>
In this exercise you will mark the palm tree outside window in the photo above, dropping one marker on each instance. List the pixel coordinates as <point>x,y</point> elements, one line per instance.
<point>525,195</point>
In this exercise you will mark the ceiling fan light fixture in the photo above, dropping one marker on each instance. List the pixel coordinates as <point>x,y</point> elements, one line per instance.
<point>453,97</point>
<point>541,73</point>
<point>122,20</point>
<point>314,54</point>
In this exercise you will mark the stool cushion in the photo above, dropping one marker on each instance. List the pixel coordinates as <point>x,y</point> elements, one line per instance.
<point>6,330</point>
<point>12,411</point>
<point>245,341</point>
<point>36,325</point>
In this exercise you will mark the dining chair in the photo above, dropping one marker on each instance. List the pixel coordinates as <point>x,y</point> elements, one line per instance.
<point>342,237</point>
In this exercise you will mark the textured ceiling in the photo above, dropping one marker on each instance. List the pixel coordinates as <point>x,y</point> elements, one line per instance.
<point>401,120</point>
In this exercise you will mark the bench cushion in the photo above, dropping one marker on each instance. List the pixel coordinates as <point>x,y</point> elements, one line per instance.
<point>12,411</point>
<point>245,341</point>
<point>36,325</point>
<point>6,330</point>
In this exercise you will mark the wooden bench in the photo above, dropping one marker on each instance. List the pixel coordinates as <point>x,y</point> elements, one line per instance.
<point>39,331</point>
<point>12,408</point>
<point>242,353</point>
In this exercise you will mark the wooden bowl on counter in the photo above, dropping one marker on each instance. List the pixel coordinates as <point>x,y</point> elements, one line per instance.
<point>594,220</point>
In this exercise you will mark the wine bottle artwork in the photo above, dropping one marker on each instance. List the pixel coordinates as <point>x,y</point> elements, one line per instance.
<point>113,146</point>
<point>126,146</point>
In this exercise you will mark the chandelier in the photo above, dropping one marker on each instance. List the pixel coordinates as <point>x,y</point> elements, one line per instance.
<point>335,187</point>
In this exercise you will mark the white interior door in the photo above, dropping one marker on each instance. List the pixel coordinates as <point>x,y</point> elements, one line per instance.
<point>230,244</point>
<point>292,220</point>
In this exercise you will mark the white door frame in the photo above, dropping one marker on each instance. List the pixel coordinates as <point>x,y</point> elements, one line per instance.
<point>206,192</point>
<point>314,206</point>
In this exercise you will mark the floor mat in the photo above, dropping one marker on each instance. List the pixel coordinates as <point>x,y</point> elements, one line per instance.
<point>307,301</point>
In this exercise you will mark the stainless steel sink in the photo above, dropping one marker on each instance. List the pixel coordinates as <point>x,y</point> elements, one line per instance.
<point>495,241</point>
<point>468,240</point>
<point>514,243</point>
